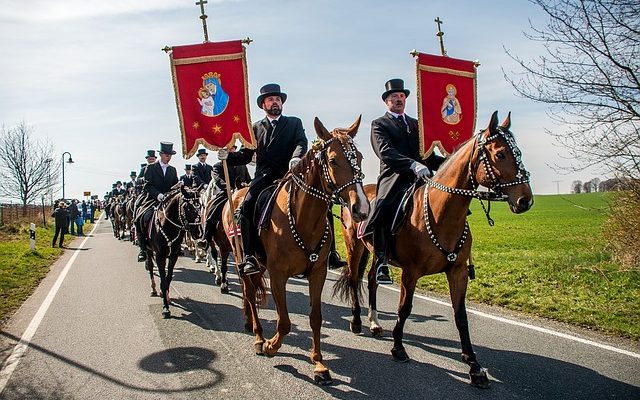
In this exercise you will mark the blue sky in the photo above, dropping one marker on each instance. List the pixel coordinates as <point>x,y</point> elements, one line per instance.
<point>90,76</point>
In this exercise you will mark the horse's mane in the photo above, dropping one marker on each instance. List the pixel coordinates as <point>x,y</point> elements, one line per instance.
<point>453,156</point>
<point>307,161</point>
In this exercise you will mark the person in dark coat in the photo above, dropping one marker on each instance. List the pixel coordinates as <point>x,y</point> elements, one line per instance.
<point>159,177</point>
<point>202,171</point>
<point>118,190</point>
<point>281,142</point>
<point>73,216</point>
<point>61,216</point>
<point>187,179</point>
<point>132,182</point>
<point>395,140</point>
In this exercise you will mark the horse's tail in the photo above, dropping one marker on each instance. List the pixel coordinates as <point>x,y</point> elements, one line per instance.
<point>350,282</point>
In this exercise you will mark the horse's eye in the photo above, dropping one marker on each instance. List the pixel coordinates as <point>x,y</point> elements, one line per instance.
<point>500,155</point>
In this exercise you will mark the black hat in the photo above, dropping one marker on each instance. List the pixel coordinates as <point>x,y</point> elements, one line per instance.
<point>201,151</point>
<point>143,165</point>
<point>151,153</point>
<point>167,148</point>
<point>113,185</point>
<point>118,183</point>
<point>133,173</point>
<point>392,86</point>
<point>271,89</point>
<point>187,167</point>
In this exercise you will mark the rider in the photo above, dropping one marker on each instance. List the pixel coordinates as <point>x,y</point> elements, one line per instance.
<point>118,190</point>
<point>159,178</point>
<point>281,142</point>
<point>132,182</point>
<point>202,171</point>
<point>395,140</point>
<point>187,179</point>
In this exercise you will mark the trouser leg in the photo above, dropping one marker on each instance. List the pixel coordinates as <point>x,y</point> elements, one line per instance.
<point>380,237</point>
<point>334,258</point>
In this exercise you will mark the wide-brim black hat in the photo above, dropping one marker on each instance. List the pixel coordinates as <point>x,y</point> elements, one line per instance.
<point>167,148</point>
<point>271,89</point>
<point>133,173</point>
<point>201,151</point>
<point>151,153</point>
<point>392,86</point>
<point>118,183</point>
<point>187,167</point>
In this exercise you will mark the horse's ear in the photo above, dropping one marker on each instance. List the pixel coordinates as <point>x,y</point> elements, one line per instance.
<point>493,124</point>
<point>353,129</point>
<point>322,132</point>
<point>506,124</point>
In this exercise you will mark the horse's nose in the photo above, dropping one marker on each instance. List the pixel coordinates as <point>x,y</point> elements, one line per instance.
<point>524,203</point>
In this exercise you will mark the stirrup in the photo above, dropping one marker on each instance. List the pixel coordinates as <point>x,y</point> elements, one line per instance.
<point>249,266</point>
<point>383,275</point>
<point>142,256</point>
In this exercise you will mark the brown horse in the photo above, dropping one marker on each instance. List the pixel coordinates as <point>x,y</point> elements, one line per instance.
<point>297,239</point>
<point>435,236</point>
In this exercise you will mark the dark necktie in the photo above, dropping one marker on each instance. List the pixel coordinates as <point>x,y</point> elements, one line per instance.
<point>402,123</point>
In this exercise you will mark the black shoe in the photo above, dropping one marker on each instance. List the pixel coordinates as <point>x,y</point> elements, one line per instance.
<point>250,266</point>
<point>335,262</point>
<point>383,276</point>
<point>142,256</point>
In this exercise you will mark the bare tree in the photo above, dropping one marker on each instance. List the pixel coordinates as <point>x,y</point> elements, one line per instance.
<point>589,76</point>
<point>576,186</point>
<point>27,166</point>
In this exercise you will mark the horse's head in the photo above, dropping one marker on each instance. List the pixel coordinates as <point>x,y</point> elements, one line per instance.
<point>190,211</point>
<point>342,167</point>
<point>500,166</point>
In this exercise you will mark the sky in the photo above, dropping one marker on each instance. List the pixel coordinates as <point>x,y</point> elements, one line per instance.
<point>90,77</point>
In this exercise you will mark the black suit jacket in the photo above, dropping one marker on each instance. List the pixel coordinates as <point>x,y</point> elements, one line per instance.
<point>201,174</point>
<point>188,180</point>
<point>397,148</point>
<point>115,192</point>
<point>156,182</point>
<point>274,149</point>
<point>237,175</point>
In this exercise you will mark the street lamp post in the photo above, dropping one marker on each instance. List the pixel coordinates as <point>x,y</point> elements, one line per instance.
<point>70,161</point>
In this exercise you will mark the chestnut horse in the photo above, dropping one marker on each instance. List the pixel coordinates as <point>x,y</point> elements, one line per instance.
<point>435,236</point>
<point>297,238</point>
<point>176,214</point>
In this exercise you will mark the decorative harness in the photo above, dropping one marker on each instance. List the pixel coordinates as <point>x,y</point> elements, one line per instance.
<point>351,155</point>
<point>184,225</point>
<point>495,187</point>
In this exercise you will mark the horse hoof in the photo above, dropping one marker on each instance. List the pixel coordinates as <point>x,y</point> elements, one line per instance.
<point>400,355</point>
<point>266,351</point>
<point>218,281</point>
<point>258,348</point>
<point>479,379</point>
<point>322,378</point>
<point>355,328</point>
<point>154,293</point>
<point>166,314</point>
<point>224,288</point>
<point>376,332</point>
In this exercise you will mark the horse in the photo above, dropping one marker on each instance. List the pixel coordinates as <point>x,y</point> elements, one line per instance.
<point>435,236</point>
<point>129,214</point>
<point>176,214</point>
<point>119,217</point>
<point>293,245</point>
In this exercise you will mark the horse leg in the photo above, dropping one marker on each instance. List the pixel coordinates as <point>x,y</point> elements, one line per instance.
<point>458,278</point>
<point>321,373</point>
<point>407,288</point>
<point>148,264</point>
<point>172,263</point>
<point>283,325</point>
<point>251,311</point>
<point>375,328</point>
<point>161,261</point>
<point>357,261</point>
<point>224,285</point>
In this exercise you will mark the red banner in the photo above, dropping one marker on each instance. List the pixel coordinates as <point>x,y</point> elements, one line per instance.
<point>446,102</point>
<point>211,87</point>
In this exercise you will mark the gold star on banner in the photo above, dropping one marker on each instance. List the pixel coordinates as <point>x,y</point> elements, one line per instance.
<point>216,128</point>
<point>236,118</point>
<point>196,125</point>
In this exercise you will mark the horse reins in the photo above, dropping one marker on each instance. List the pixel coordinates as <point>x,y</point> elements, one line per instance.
<point>495,186</point>
<point>184,223</point>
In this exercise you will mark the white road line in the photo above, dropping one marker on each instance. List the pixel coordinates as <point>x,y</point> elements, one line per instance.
<point>20,348</point>
<point>522,324</point>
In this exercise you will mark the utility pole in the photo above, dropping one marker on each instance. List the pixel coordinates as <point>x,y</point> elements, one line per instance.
<point>557,186</point>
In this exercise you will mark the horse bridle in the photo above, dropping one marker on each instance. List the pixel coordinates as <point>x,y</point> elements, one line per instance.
<point>495,186</point>
<point>182,217</point>
<point>352,156</point>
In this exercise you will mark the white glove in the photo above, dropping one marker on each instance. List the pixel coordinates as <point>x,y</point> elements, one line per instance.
<point>293,162</point>
<point>160,196</point>
<point>222,154</point>
<point>421,170</point>
<point>206,185</point>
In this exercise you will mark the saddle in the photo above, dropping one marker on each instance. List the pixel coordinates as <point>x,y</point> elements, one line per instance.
<point>264,206</point>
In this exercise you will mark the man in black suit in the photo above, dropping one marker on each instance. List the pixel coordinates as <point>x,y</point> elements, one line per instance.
<point>395,140</point>
<point>118,190</point>
<point>281,142</point>
<point>187,179</point>
<point>132,182</point>
<point>202,171</point>
<point>159,177</point>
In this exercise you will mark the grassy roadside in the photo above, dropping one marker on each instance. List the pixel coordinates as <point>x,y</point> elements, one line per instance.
<point>20,269</point>
<point>551,262</point>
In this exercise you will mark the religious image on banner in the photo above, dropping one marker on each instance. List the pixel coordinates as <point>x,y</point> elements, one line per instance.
<point>211,89</point>
<point>446,102</point>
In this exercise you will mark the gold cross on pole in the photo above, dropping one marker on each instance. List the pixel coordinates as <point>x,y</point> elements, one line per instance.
<point>203,17</point>
<point>440,34</point>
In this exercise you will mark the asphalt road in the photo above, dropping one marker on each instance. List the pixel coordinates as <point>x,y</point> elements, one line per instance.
<point>103,337</point>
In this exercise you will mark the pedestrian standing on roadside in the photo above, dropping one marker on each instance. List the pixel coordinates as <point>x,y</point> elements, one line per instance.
<point>73,216</point>
<point>61,216</point>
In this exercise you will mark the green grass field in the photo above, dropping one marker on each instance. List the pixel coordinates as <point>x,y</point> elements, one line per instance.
<point>551,262</point>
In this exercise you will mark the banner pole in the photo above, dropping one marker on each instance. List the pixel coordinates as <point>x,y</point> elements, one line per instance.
<point>237,252</point>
